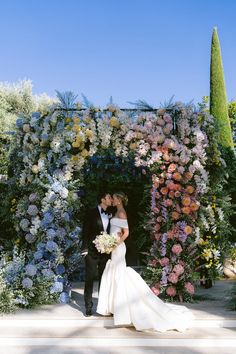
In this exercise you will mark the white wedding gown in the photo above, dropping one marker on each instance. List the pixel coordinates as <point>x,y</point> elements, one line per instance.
<point>125,294</point>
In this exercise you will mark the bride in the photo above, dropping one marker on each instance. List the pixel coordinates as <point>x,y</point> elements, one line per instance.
<point>125,294</point>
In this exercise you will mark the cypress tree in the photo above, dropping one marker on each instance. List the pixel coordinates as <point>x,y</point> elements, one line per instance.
<point>218,99</point>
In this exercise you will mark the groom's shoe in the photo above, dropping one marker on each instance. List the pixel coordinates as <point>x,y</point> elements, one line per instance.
<point>88,312</point>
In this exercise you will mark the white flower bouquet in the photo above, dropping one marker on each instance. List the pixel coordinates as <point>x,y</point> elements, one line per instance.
<point>105,243</point>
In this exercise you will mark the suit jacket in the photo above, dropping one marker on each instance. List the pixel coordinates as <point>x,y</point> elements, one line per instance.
<point>91,228</point>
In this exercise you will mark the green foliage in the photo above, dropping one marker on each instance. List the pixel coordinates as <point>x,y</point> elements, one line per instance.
<point>7,299</point>
<point>232,117</point>
<point>218,100</point>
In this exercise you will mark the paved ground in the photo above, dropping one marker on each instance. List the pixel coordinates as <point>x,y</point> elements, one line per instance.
<point>63,329</point>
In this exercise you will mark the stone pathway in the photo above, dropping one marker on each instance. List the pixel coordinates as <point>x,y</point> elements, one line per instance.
<point>63,329</point>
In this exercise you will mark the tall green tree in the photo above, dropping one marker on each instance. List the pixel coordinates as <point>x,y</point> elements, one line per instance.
<point>218,99</point>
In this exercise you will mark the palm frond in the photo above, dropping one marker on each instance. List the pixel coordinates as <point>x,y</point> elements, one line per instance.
<point>67,99</point>
<point>86,102</point>
<point>168,104</point>
<point>141,104</point>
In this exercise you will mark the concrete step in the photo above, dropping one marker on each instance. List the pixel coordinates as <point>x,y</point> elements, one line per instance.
<point>98,322</point>
<point>120,340</point>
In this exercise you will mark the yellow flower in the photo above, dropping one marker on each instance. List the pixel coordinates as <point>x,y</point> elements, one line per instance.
<point>114,122</point>
<point>213,206</point>
<point>76,120</point>
<point>201,242</point>
<point>89,133</point>
<point>76,144</point>
<point>76,128</point>
<point>75,158</point>
<point>13,201</point>
<point>88,119</point>
<point>68,120</point>
<point>12,210</point>
<point>84,153</point>
<point>207,253</point>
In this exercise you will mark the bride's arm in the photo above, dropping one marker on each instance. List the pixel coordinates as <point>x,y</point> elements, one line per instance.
<point>124,234</point>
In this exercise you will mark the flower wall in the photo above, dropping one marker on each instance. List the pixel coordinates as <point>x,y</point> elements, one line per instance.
<point>51,150</point>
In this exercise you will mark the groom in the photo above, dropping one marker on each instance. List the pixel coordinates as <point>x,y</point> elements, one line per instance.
<point>96,221</point>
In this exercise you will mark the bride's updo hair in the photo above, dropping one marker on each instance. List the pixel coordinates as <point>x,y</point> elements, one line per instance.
<point>123,197</point>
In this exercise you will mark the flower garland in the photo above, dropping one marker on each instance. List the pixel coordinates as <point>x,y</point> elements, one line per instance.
<point>52,149</point>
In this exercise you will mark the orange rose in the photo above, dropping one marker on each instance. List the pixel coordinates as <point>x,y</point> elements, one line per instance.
<point>177,176</point>
<point>186,201</point>
<point>175,215</point>
<point>189,189</point>
<point>164,190</point>
<point>188,229</point>
<point>194,206</point>
<point>171,194</point>
<point>186,210</point>
<point>188,175</point>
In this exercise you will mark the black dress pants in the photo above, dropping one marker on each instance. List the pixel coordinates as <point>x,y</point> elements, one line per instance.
<point>93,265</point>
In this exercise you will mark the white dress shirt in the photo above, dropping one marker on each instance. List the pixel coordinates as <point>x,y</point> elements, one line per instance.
<point>104,217</point>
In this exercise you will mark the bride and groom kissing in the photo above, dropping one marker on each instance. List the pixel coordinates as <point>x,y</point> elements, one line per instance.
<point>122,291</point>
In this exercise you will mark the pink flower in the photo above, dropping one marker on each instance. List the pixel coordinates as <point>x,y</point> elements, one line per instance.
<point>164,261</point>
<point>178,269</point>
<point>173,278</point>
<point>153,263</point>
<point>189,288</point>
<point>168,202</point>
<point>155,290</point>
<point>171,291</point>
<point>167,118</point>
<point>177,249</point>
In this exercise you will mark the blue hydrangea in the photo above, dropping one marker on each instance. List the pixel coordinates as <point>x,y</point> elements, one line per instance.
<point>47,219</point>
<point>33,197</point>
<point>48,273</point>
<point>60,269</point>
<point>51,233</point>
<point>31,270</point>
<point>60,126</point>
<point>61,232</point>
<point>27,283</point>
<point>30,238</point>
<point>66,216</point>
<point>64,298</point>
<point>52,197</point>
<point>32,210</point>
<point>19,123</point>
<point>44,136</point>
<point>57,287</point>
<point>38,255</point>
<point>51,246</point>
<point>24,224</point>
<point>56,187</point>
<point>35,115</point>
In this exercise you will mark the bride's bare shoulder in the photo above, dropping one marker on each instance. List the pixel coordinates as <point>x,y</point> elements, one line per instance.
<point>122,214</point>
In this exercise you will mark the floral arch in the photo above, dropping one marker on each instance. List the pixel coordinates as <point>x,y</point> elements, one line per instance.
<point>51,150</point>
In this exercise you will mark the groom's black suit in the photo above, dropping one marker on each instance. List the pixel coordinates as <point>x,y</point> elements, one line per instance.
<point>94,260</point>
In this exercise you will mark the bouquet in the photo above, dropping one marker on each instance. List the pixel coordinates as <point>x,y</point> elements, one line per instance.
<point>105,243</point>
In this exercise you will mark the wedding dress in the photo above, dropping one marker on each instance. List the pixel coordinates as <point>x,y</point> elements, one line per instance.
<point>126,295</point>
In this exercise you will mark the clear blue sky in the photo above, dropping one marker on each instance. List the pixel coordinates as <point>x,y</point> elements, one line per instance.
<point>130,49</point>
